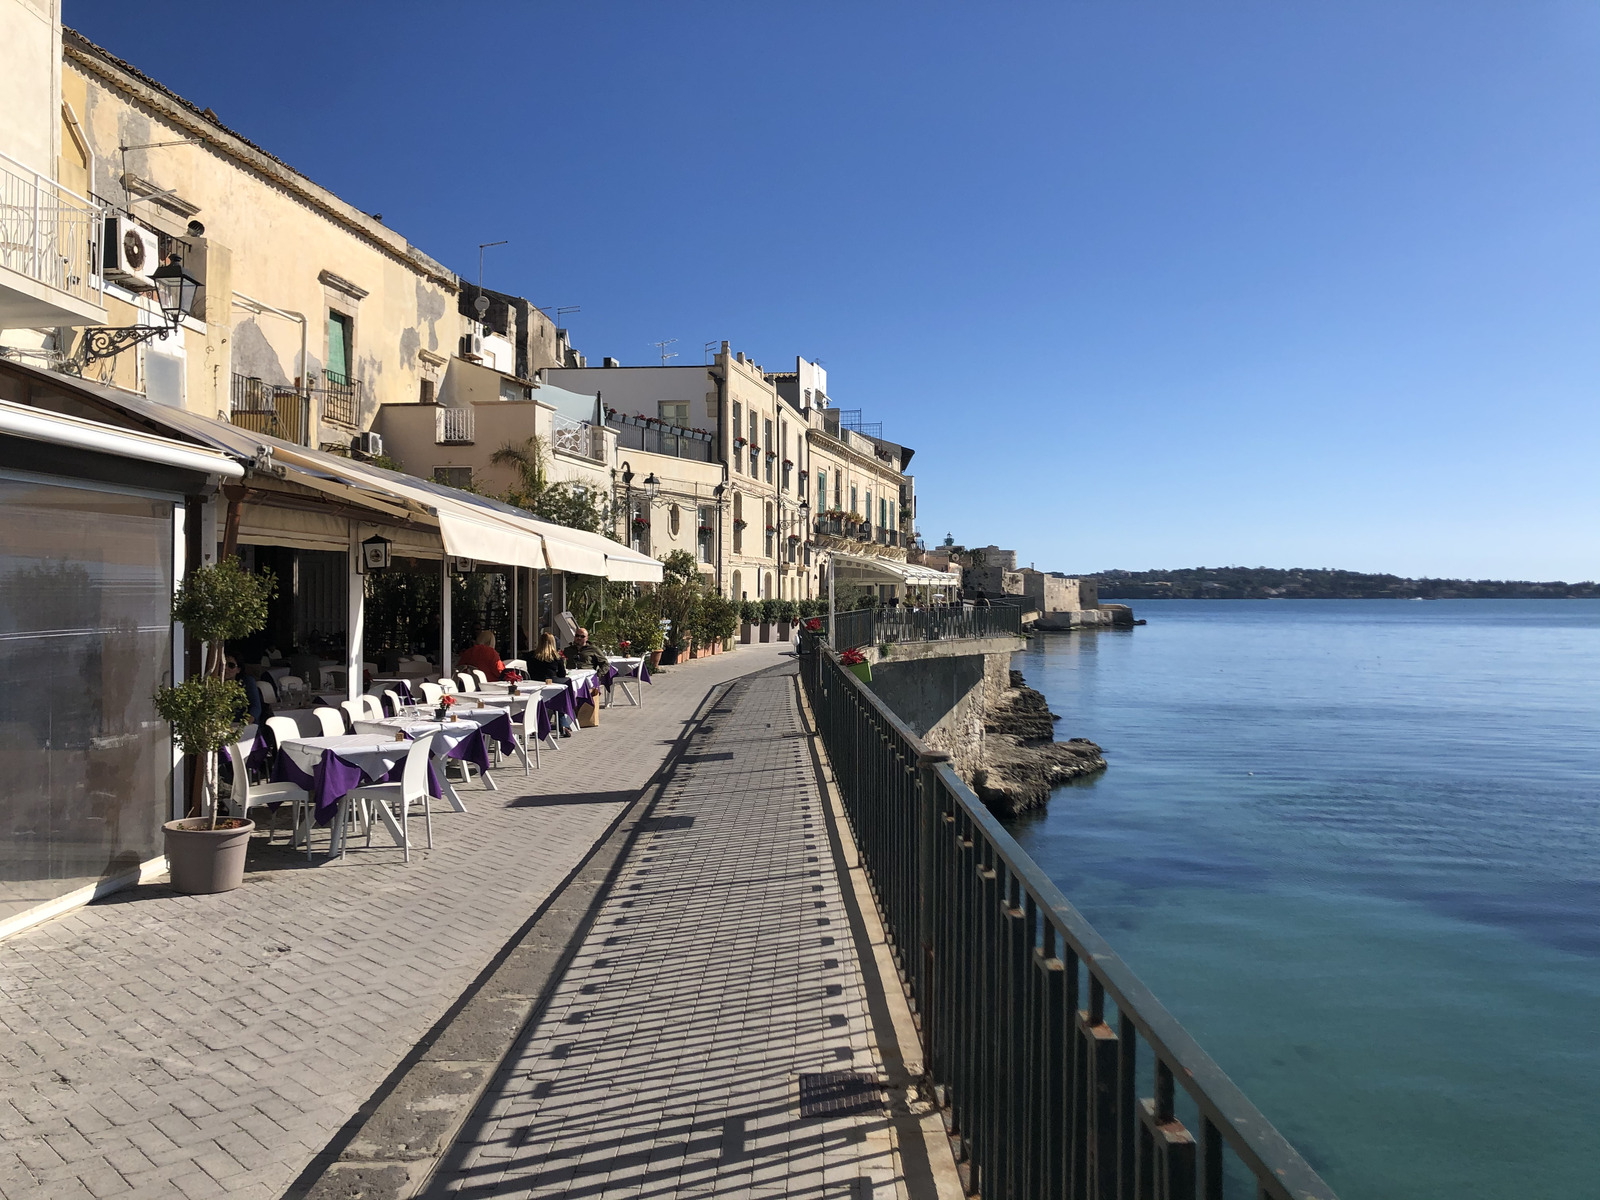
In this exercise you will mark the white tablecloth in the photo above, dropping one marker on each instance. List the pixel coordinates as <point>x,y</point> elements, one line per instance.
<point>376,755</point>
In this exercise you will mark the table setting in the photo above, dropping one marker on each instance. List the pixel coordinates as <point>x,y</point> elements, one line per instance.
<point>328,767</point>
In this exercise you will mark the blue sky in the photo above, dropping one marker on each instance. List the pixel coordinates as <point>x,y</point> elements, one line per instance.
<point>1145,284</point>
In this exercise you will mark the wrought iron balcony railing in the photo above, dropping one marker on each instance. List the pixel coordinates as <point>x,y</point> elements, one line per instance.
<point>273,409</point>
<point>453,426</point>
<point>340,399</point>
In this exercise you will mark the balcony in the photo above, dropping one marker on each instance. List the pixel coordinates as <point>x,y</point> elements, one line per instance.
<point>267,408</point>
<point>49,272</point>
<point>655,437</point>
<point>582,439</point>
<point>453,426</point>
<point>338,399</point>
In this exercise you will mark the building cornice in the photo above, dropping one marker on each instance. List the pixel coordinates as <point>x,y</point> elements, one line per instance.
<point>833,445</point>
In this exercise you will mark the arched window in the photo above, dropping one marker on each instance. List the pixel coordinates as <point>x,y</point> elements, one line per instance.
<point>738,582</point>
<point>673,514</point>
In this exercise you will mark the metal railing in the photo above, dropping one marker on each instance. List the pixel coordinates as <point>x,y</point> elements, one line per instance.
<point>582,438</point>
<point>49,233</point>
<point>1060,1073</point>
<point>340,399</point>
<point>453,426</point>
<point>268,408</point>
<point>870,626</point>
<point>662,439</point>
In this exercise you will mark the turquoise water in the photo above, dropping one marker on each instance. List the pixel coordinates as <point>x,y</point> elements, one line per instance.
<point>1355,847</point>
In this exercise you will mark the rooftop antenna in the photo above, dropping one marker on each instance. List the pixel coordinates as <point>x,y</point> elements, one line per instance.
<point>662,346</point>
<point>482,246</point>
<point>708,350</point>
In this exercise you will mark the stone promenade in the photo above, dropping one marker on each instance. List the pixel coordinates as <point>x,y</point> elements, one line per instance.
<point>172,1046</point>
<point>711,1037</point>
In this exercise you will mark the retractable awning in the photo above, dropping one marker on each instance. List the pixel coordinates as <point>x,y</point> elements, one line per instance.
<point>889,570</point>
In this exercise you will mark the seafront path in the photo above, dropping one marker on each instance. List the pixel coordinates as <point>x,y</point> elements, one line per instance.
<point>666,911</point>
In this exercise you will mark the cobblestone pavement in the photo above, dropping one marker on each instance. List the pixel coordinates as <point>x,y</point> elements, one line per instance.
<point>718,981</point>
<point>209,1046</point>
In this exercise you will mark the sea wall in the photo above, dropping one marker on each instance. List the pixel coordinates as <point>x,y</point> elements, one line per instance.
<point>998,732</point>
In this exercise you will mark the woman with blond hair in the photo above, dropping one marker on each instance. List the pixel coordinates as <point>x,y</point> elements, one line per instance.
<point>546,665</point>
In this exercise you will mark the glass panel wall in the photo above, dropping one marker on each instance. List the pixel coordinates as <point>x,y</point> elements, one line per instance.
<point>85,639</point>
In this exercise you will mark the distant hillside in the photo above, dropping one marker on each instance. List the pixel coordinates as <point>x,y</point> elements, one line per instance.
<point>1265,583</point>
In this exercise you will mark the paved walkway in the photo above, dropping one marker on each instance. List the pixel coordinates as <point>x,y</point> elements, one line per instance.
<point>715,1011</point>
<point>174,1046</point>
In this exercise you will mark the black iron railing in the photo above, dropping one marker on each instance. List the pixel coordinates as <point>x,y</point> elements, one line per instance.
<point>869,626</point>
<point>268,408</point>
<point>1060,1073</point>
<point>340,398</point>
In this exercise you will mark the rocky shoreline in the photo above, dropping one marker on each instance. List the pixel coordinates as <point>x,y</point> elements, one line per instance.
<point>1022,761</point>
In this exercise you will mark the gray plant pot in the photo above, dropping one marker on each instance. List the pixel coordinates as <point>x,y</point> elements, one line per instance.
<point>766,632</point>
<point>745,634</point>
<point>204,860</point>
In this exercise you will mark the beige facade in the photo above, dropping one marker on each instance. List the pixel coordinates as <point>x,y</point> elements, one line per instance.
<point>1053,592</point>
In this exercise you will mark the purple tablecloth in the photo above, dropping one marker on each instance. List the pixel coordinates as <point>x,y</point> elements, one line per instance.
<point>474,748</point>
<point>552,705</point>
<point>334,777</point>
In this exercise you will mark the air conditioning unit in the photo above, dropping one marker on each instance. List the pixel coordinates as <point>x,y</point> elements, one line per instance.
<point>370,444</point>
<point>131,253</point>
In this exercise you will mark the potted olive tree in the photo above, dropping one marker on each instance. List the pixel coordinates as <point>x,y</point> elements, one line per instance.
<point>206,851</point>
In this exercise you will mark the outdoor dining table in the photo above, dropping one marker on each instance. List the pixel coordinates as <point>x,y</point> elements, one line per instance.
<point>328,767</point>
<point>465,738</point>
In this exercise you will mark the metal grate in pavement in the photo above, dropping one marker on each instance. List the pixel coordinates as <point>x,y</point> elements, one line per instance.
<point>839,1094</point>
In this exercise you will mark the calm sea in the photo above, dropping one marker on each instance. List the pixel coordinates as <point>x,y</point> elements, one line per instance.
<point>1355,847</point>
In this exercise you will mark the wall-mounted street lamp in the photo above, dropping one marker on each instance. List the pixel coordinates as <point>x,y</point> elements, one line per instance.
<point>376,553</point>
<point>176,291</point>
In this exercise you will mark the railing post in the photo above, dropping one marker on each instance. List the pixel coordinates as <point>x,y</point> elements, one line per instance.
<point>37,188</point>
<point>928,819</point>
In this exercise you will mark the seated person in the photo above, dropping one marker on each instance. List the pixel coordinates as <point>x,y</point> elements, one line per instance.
<point>582,656</point>
<point>547,666</point>
<point>481,657</point>
<point>253,707</point>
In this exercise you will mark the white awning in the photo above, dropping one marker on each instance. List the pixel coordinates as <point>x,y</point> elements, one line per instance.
<point>23,421</point>
<point>890,570</point>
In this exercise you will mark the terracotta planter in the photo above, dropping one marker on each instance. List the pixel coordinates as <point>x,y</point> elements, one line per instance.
<point>203,860</point>
<point>716,647</point>
<point>655,659</point>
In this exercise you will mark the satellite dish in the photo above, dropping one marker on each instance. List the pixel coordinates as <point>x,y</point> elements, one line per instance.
<point>482,305</point>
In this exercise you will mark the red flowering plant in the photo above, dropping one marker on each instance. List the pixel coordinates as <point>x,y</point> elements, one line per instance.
<point>852,657</point>
<point>511,675</point>
<point>814,625</point>
<point>446,701</point>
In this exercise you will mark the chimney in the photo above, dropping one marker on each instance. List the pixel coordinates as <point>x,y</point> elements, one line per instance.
<point>608,361</point>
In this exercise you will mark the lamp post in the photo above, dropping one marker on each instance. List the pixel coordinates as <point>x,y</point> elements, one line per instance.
<point>176,291</point>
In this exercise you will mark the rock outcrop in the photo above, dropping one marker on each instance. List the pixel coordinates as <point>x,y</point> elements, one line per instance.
<point>1022,761</point>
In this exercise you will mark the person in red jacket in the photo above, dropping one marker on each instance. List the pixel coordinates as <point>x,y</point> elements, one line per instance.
<point>482,657</point>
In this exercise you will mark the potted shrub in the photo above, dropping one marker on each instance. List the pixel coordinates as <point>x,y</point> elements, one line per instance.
<point>206,851</point>
<point>788,614</point>
<point>749,616</point>
<point>769,617</point>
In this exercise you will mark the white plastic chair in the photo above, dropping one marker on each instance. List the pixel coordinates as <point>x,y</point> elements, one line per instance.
<point>465,683</point>
<point>355,710</point>
<point>284,729</point>
<point>370,708</point>
<point>331,720</point>
<point>448,686</point>
<point>483,680</point>
<point>269,694</point>
<point>391,803</point>
<point>566,628</point>
<point>394,700</point>
<point>247,795</point>
<point>431,693</point>
<point>530,734</point>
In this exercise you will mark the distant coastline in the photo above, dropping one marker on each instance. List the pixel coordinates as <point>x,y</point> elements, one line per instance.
<point>1299,583</point>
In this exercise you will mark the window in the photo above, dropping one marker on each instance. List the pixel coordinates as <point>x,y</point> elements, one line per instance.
<point>514,391</point>
<point>704,533</point>
<point>738,523</point>
<point>867,514</point>
<point>672,516</point>
<point>766,444</point>
<point>340,348</point>
<point>425,394</point>
<point>822,488</point>
<point>855,510</point>
<point>675,413</point>
<point>837,483</point>
<point>456,477</point>
<point>738,421</point>
<point>755,450</point>
<point>883,511</point>
<point>892,524</point>
<point>772,537</point>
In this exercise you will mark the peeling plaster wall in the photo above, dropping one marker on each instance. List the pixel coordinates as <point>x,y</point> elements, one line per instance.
<point>293,246</point>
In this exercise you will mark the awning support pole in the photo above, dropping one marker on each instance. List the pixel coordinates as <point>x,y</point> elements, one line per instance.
<point>515,571</point>
<point>444,616</point>
<point>355,622</point>
<point>831,640</point>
